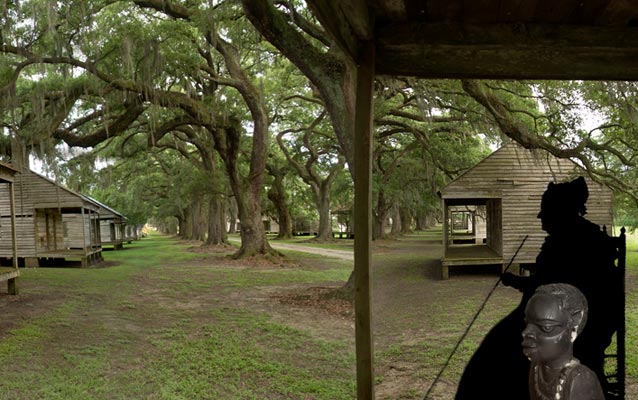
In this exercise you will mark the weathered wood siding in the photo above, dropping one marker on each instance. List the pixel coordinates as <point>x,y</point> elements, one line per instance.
<point>33,190</point>
<point>79,231</point>
<point>519,177</point>
<point>25,234</point>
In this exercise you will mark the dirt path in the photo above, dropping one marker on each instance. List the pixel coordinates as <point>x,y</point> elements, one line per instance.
<point>340,254</point>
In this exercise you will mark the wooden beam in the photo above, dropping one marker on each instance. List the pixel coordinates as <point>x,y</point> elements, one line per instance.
<point>507,51</point>
<point>362,221</point>
<point>346,21</point>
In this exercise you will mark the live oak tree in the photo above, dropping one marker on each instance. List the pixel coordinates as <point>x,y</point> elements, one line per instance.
<point>280,172</point>
<point>311,151</point>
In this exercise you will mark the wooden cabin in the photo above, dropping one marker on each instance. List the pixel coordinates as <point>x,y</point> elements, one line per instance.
<point>112,226</point>
<point>270,225</point>
<point>52,222</point>
<point>10,273</point>
<point>491,207</point>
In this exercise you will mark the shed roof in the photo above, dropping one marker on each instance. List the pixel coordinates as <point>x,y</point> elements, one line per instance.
<point>522,165</point>
<point>518,39</point>
<point>80,199</point>
<point>104,210</point>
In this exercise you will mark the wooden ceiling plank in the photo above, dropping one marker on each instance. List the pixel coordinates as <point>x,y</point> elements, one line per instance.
<point>446,63</point>
<point>419,33</point>
<point>481,11</point>
<point>347,22</point>
<point>509,51</point>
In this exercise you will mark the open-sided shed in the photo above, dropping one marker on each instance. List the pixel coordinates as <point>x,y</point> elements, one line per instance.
<point>52,222</point>
<point>503,193</point>
<point>112,225</point>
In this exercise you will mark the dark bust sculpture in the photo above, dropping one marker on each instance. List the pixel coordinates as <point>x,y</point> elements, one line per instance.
<point>554,317</point>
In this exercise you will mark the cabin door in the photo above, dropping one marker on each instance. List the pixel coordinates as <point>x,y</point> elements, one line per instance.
<point>48,224</point>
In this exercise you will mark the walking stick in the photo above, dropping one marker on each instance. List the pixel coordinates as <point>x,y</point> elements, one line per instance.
<point>467,330</point>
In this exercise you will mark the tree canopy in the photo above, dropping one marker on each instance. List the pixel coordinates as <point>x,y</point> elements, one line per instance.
<point>209,113</point>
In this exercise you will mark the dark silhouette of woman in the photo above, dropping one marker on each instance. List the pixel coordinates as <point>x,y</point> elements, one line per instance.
<point>575,252</point>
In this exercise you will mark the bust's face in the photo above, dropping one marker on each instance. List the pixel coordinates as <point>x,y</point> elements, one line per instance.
<point>547,336</point>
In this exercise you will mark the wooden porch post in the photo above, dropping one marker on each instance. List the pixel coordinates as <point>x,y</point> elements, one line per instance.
<point>13,283</point>
<point>363,220</point>
<point>84,227</point>
<point>445,271</point>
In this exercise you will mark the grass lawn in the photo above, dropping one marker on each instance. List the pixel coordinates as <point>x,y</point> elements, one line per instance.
<point>165,319</point>
<point>160,323</point>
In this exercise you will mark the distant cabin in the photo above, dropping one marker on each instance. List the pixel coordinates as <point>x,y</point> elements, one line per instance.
<point>112,226</point>
<point>52,222</point>
<point>270,225</point>
<point>132,232</point>
<point>490,208</point>
<point>8,273</point>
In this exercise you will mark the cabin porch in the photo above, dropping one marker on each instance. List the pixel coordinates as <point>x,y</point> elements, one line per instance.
<point>86,257</point>
<point>472,232</point>
<point>10,274</point>
<point>468,254</point>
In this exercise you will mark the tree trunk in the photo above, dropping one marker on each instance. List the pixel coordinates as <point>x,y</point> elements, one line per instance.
<point>381,216</point>
<point>396,222</point>
<point>198,222</point>
<point>181,225</point>
<point>277,195</point>
<point>216,223</point>
<point>187,234</point>
<point>323,206</point>
<point>232,214</point>
<point>253,234</point>
<point>420,221</point>
<point>406,219</point>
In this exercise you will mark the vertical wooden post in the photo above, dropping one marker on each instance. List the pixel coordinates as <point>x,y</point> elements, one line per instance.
<point>445,271</point>
<point>84,228</point>
<point>12,287</point>
<point>363,220</point>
